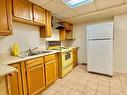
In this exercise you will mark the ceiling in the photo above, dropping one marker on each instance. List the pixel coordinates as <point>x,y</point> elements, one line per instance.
<point>99,9</point>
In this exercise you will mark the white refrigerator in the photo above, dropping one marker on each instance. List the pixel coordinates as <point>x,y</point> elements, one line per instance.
<point>100,48</point>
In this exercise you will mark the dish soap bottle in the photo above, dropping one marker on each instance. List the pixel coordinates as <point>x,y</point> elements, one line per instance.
<point>15,49</point>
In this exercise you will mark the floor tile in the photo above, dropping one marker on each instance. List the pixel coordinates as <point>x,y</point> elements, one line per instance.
<point>116,92</point>
<point>80,82</point>
<point>74,92</point>
<point>89,91</point>
<point>63,91</point>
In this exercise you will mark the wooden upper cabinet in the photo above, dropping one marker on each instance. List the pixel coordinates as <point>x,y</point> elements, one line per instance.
<point>38,14</point>
<point>68,26</point>
<point>47,30</point>
<point>22,9</point>
<point>5,18</point>
<point>15,82</point>
<point>67,32</point>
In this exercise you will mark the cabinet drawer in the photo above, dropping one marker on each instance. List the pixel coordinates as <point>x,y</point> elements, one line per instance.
<point>49,57</point>
<point>34,62</point>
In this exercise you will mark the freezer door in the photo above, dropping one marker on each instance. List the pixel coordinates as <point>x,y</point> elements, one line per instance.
<point>100,31</point>
<point>100,56</point>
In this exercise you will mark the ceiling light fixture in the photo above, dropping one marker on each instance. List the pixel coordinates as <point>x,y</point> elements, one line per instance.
<point>76,3</point>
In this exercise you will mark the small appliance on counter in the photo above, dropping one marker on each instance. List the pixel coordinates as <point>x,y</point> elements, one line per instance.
<point>65,57</point>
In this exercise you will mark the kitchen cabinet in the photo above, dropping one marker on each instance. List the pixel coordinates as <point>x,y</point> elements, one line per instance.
<point>38,14</point>
<point>5,18</point>
<point>46,31</point>
<point>65,35</point>
<point>14,81</point>
<point>75,57</point>
<point>50,69</point>
<point>22,9</point>
<point>35,75</point>
<point>57,60</point>
<point>67,32</point>
<point>68,26</point>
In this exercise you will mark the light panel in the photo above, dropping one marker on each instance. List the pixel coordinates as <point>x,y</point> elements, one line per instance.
<point>76,3</point>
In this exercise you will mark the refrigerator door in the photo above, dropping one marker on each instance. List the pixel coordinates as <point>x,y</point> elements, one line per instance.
<point>100,31</point>
<point>100,56</point>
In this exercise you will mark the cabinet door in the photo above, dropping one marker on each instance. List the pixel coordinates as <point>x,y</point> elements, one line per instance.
<point>46,31</point>
<point>38,14</point>
<point>35,79</point>
<point>50,72</point>
<point>5,18</point>
<point>22,9</point>
<point>57,64</point>
<point>75,57</point>
<point>14,81</point>
<point>62,34</point>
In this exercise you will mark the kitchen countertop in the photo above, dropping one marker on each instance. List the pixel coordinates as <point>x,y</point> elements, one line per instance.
<point>5,70</point>
<point>6,59</point>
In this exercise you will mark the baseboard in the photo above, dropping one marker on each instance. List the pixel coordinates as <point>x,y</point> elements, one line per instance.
<point>82,63</point>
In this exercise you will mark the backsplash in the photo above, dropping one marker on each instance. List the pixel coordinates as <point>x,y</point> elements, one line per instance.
<point>27,36</point>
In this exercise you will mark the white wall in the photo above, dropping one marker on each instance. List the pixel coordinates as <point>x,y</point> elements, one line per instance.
<point>27,36</point>
<point>55,35</point>
<point>81,42</point>
<point>120,43</point>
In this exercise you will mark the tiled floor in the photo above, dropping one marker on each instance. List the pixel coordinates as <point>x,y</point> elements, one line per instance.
<point>80,82</point>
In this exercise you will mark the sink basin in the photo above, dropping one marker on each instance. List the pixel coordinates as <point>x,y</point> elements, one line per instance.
<point>39,52</point>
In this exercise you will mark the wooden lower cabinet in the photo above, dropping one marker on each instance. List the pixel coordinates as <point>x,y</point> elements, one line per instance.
<point>50,72</point>
<point>35,79</point>
<point>57,64</point>
<point>33,75</point>
<point>75,56</point>
<point>14,81</point>
<point>50,69</point>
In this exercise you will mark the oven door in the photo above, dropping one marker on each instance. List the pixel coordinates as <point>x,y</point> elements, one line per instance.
<point>67,59</point>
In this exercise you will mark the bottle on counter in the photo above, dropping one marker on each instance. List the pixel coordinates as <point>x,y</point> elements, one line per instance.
<point>15,49</point>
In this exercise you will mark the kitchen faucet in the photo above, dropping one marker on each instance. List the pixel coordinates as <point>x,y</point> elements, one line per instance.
<point>31,50</point>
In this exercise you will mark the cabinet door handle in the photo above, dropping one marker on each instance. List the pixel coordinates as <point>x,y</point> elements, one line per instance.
<point>11,74</point>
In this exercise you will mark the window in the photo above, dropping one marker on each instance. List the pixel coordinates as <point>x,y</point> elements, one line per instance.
<point>77,3</point>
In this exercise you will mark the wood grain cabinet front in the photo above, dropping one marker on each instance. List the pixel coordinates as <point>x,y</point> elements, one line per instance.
<point>67,32</point>
<point>15,81</point>
<point>22,9</point>
<point>35,75</point>
<point>46,31</point>
<point>38,14</point>
<point>50,69</point>
<point>5,18</point>
<point>75,56</point>
<point>35,79</point>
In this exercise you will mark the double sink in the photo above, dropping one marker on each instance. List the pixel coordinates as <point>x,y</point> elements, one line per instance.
<point>32,53</point>
<point>39,52</point>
